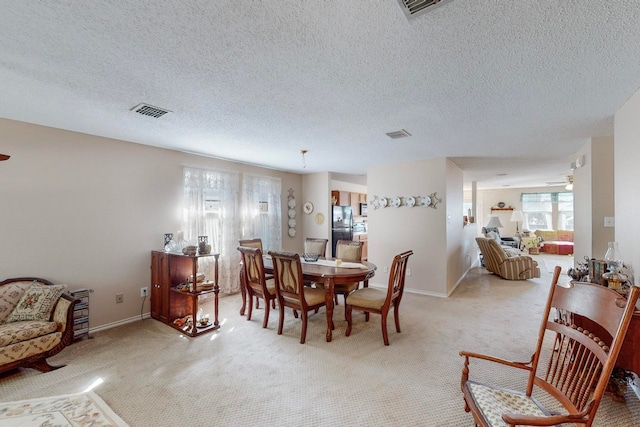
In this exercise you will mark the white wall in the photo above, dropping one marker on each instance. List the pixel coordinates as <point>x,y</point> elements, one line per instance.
<point>316,190</point>
<point>593,191</point>
<point>602,190</point>
<point>583,205</point>
<point>627,190</point>
<point>87,211</point>
<point>439,256</point>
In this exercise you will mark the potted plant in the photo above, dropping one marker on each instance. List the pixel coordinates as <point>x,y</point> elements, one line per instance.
<point>534,245</point>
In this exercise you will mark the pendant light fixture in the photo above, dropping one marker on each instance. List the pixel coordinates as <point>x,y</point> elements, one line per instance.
<point>304,162</point>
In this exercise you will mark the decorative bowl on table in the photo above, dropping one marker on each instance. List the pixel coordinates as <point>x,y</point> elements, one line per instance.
<point>309,257</point>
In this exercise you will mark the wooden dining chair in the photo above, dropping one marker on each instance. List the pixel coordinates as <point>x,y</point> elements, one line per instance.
<point>290,289</point>
<point>256,242</point>
<point>349,251</point>
<point>378,301</point>
<point>256,282</point>
<point>251,243</point>
<point>314,245</point>
<point>579,361</point>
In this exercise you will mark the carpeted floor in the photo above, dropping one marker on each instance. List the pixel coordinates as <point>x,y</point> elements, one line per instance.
<point>550,261</point>
<point>244,375</point>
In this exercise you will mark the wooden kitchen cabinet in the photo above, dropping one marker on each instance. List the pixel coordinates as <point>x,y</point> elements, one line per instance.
<point>355,203</point>
<point>169,269</point>
<point>335,197</point>
<point>344,198</point>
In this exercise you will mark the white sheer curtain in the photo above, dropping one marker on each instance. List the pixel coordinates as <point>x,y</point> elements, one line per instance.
<point>211,208</point>
<point>261,210</point>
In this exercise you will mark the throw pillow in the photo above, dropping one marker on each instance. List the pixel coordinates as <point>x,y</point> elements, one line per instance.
<point>9,296</point>
<point>493,235</point>
<point>37,303</point>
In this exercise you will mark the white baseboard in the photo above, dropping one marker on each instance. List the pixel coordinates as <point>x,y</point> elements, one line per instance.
<point>119,323</point>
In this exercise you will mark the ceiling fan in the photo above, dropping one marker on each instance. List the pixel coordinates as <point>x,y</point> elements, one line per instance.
<point>4,157</point>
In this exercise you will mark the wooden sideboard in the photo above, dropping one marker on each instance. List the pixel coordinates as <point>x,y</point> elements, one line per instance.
<point>629,357</point>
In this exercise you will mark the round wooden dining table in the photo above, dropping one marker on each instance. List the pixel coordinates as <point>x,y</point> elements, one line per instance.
<point>323,271</point>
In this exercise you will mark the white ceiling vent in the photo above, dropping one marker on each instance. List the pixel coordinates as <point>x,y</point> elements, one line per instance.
<point>398,134</point>
<point>150,110</point>
<point>414,8</point>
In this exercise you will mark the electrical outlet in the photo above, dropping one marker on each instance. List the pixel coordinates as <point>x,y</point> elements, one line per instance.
<point>385,269</point>
<point>119,298</point>
<point>408,272</point>
<point>144,291</point>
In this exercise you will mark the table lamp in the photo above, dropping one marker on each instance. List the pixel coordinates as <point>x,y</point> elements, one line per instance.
<point>517,216</point>
<point>494,221</point>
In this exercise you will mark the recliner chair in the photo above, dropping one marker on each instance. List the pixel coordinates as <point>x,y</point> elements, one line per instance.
<point>497,261</point>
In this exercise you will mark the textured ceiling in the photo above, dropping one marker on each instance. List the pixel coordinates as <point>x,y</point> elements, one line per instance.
<point>499,86</point>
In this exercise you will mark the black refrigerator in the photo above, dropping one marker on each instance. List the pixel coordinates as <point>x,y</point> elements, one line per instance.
<point>341,225</point>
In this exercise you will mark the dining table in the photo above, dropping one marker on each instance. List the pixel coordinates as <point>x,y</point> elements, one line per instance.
<point>327,272</point>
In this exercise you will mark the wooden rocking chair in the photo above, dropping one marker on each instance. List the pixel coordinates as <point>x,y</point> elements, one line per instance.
<point>578,368</point>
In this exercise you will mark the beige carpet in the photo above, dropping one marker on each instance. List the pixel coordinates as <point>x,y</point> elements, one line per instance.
<point>550,261</point>
<point>83,409</point>
<point>243,375</point>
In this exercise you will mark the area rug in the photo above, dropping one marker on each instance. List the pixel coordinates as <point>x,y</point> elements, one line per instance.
<point>83,409</point>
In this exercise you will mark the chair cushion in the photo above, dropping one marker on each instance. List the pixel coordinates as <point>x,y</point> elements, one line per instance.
<point>495,402</point>
<point>345,287</point>
<point>271,286</point>
<point>565,235</point>
<point>16,332</point>
<point>37,303</point>
<point>340,287</point>
<point>313,296</point>
<point>367,298</point>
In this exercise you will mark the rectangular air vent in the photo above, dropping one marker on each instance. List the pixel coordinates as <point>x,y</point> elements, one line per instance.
<point>414,8</point>
<point>398,134</point>
<point>150,110</point>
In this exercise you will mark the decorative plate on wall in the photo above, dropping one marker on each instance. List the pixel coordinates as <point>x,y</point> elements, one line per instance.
<point>383,202</point>
<point>319,218</point>
<point>395,202</point>
<point>410,201</point>
<point>292,203</point>
<point>425,201</point>
<point>292,223</point>
<point>292,213</point>
<point>292,232</point>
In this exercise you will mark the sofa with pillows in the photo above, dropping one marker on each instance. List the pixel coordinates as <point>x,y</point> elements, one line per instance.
<point>556,241</point>
<point>36,322</point>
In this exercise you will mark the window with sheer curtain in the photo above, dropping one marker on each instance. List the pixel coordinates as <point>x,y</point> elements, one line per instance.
<point>226,206</point>
<point>211,208</point>
<point>261,210</point>
<point>547,211</point>
<point>565,211</point>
